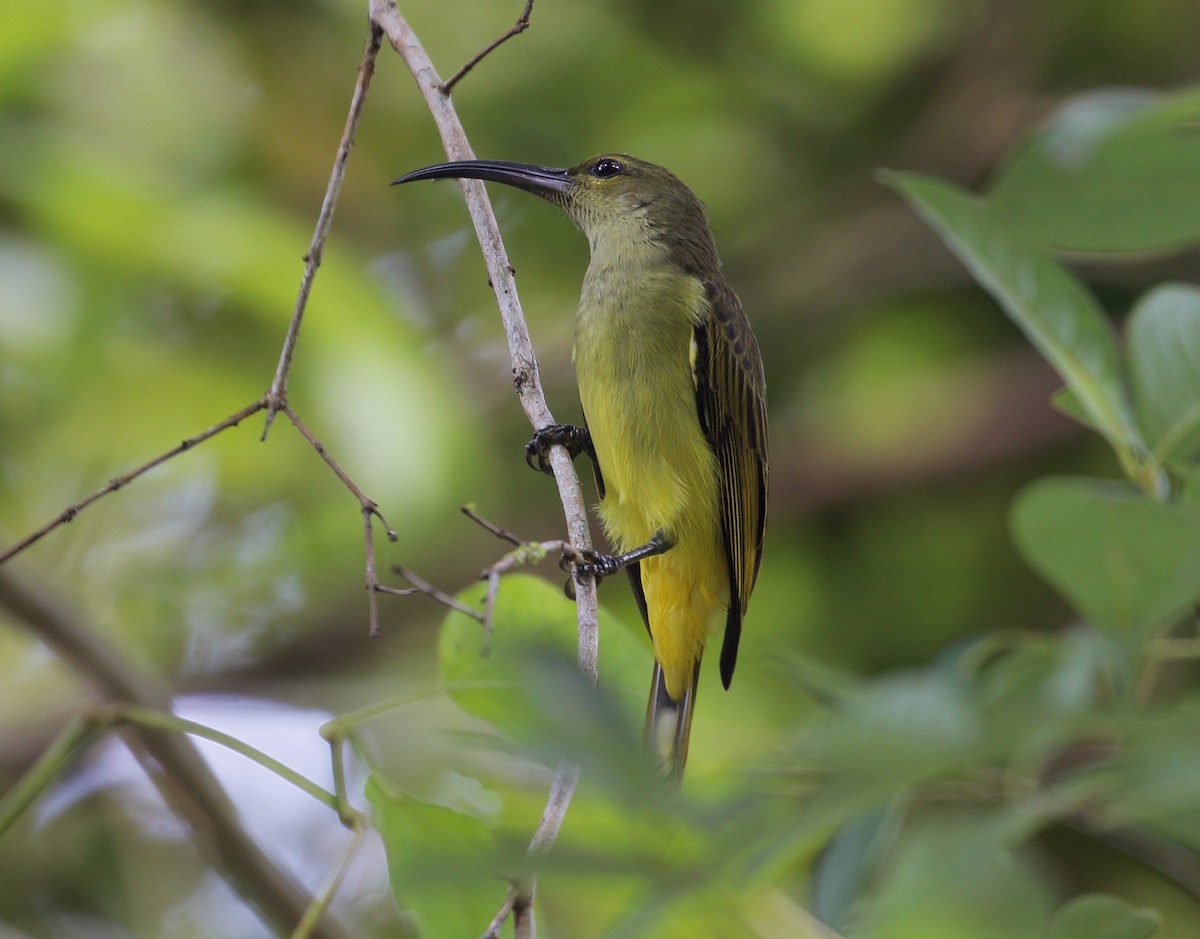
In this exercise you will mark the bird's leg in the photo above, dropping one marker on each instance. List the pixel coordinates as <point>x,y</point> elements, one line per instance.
<point>577,440</point>
<point>601,565</point>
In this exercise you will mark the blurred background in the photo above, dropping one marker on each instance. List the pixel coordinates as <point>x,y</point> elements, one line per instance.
<point>162,164</point>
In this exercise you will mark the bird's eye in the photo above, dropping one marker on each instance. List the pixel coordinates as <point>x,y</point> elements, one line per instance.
<point>607,169</point>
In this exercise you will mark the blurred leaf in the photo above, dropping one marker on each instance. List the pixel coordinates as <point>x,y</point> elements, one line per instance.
<point>1068,402</point>
<point>1036,692</point>
<point>956,877</point>
<point>1099,916</point>
<point>1126,562</point>
<point>1057,314</point>
<point>488,673</point>
<point>1158,776</point>
<point>849,863</point>
<point>903,730</point>
<point>443,861</point>
<point>1116,170</point>
<point>1164,362</point>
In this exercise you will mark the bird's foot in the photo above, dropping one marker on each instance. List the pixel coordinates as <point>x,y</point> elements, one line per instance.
<point>577,440</point>
<point>579,562</point>
<point>599,565</point>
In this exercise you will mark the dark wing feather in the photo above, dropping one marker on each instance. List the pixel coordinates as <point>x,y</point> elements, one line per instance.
<point>731,400</point>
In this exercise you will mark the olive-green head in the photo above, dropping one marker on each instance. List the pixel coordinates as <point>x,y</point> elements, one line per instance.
<point>619,201</point>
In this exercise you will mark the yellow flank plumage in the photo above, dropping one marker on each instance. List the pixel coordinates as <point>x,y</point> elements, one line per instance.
<point>635,378</point>
<point>672,388</point>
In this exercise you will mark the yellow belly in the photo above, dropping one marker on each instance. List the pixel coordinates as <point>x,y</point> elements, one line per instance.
<point>659,472</point>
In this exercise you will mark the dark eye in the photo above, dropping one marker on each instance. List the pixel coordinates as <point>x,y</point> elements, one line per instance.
<point>607,169</point>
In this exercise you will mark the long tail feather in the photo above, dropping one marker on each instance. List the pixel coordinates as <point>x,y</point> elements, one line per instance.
<point>669,724</point>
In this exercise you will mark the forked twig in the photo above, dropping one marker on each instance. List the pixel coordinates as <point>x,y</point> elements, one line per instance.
<point>369,507</point>
<point>501,533</point>
<point>519,26</point>
<point>422,586</point>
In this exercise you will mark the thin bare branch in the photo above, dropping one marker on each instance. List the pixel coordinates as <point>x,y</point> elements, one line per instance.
<point>501,533</point>
<point>519,902</point>
<point>68,514</point>
<point>524,363</point>
<point>519,26</point>
<point>526,380</point>
<point>370,509</point>
<point>277,395</point>
<point>420,585</point>
<point>501,917</point>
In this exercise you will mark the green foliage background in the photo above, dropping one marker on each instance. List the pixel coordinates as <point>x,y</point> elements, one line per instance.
<point>953,702</point>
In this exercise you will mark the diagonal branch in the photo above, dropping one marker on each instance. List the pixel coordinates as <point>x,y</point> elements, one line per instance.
<point>519,26</point>
<point>277,394</point>
<point>68,514</point>
<point>386,17</point>
<point>170,759</point>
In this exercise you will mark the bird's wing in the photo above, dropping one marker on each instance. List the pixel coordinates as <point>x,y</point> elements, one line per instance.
<point>731,401</point>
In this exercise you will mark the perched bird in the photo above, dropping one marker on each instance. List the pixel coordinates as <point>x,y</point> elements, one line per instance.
<point>674,403</point>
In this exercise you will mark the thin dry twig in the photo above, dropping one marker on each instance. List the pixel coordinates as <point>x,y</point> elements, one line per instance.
<point>501,533</point>
<point>519,26</point>
<point>526,552</point>
<point>277,395</point>
<point>369,507</point>
<point>422,586</point>
<point>525,367</point>
<point>68,514</point>
<point>501,917</point>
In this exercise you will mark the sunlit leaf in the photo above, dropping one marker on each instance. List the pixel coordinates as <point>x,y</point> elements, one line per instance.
<point>1127,562</point>
<point>1116,170</point>
<point>487,670</point>
<point>1099,916</point>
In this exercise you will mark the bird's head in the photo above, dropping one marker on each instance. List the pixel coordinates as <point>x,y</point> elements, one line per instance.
<point>610,197</point>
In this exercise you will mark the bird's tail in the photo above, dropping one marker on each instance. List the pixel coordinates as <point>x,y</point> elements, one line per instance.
<point>669,723</point>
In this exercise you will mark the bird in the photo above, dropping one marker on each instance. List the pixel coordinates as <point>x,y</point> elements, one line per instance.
<point>671,382</point>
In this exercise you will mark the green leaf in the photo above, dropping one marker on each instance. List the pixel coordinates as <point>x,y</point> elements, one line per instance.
<point>1114,171</point>
<point>902,730</point>
<point>849,863</point>
<point>955,875</point>
<point>487,672</point>
<point>1157,773</point>
<point>1128,563</point>
<point>1057,314</point>
<point>443,860</point>
<point>1164,360</point>
<point>1099,916</point>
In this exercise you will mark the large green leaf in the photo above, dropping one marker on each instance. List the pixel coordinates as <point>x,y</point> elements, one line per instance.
<point>486,669</point>
<point>443,859</point>
<point>1164,363</point>
<point>1114,171</point>
<point>955,875</point>
<point>1128,563</point>
<point>1058,315</point>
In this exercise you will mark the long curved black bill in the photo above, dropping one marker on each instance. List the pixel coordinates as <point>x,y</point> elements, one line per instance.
<point>544,181</point>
